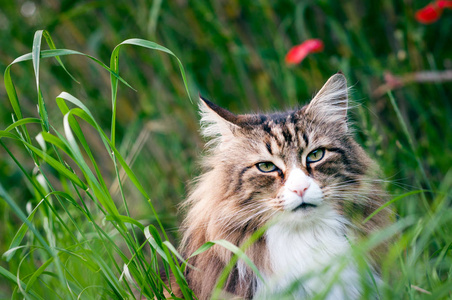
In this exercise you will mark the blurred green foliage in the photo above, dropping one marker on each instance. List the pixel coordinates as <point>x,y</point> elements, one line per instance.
<point>233,53</point>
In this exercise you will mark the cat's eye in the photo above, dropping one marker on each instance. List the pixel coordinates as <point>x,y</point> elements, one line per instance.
<point>266,167</point>
<point>315,155</point>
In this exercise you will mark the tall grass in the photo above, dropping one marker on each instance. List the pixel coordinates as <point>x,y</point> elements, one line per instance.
<point>76,247</point>
<point>89,186</point>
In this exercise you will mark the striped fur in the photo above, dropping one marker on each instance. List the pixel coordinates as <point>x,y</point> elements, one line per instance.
<point>233,198</point>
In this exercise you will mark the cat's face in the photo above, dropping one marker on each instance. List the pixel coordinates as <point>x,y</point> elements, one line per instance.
<point>303,163</point>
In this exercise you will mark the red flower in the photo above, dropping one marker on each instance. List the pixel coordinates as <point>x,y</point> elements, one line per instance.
<point>444,3</point>
<point>428,14</point>
<point>299,52</point>
<point>432,12</point>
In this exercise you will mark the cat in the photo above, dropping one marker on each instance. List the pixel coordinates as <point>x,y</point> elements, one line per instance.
<point>300,173</point>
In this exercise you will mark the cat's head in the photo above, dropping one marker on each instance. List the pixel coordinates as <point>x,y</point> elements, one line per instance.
<point>302,163</point>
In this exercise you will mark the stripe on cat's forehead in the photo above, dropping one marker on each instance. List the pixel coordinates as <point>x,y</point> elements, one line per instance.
<point>284,132</point>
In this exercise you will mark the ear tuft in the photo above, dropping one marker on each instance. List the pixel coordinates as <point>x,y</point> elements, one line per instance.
<point>221,112</point>
<point>217,123</point>
<point>331,102</point>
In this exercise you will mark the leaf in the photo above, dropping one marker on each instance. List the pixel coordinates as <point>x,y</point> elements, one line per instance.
<point>16,209</point>
<point>52,46</point>
<point>19,236</point>
<point>203,248</point>
<point>241,255</point>
<point>149,45</point>
<point>11,277</point>
<point>126,273</point>
<point>174,250</point>
<point>35,55</point>
<point>152,236</point>
<point>114,66</point>
<point>125,219</point>
<point>109,276</point>
<point>50,160</point>
<point>11,91</point>
<point>37,273</point>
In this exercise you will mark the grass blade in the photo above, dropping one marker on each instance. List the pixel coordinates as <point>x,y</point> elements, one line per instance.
<point>17,239</point>
<point>391,202</point>
<point>11,277</point>
<point>410,140</point>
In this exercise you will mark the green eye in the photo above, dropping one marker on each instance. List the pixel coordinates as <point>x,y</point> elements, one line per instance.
<point>315,155</point>
<point>266,167</point>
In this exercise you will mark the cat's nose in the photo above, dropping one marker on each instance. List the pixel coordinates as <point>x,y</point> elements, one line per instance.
<point>301,189</point>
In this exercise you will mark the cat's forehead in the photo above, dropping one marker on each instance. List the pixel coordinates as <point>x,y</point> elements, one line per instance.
<point>290,131</point>
<point>273,120</point>
<point>284,129</point>
<point>279,122</point>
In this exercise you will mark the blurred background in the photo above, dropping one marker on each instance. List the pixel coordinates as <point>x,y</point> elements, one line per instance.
<point>233,53</point>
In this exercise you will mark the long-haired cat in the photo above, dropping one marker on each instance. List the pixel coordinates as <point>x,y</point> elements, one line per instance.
<point>301,171</point>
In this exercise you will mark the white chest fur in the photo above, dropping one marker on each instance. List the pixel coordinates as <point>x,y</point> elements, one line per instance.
<point>299,253</point>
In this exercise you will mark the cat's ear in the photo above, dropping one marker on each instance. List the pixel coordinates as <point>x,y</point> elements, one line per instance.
<point>331,102</point>
<point>217,122</point>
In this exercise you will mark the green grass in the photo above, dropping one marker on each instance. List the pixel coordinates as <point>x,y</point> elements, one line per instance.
<point>90,181</point>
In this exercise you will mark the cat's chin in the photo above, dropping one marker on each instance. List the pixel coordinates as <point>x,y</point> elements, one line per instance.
<point>306,214</point>
<point>302,214</point>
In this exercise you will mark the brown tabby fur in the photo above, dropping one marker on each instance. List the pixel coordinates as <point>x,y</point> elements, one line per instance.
<point>232,199</point>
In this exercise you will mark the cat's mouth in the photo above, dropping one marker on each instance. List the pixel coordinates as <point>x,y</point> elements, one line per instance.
<point>305,206</point>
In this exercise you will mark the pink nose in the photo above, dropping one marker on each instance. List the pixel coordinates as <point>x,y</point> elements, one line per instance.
<point>300,190</point>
